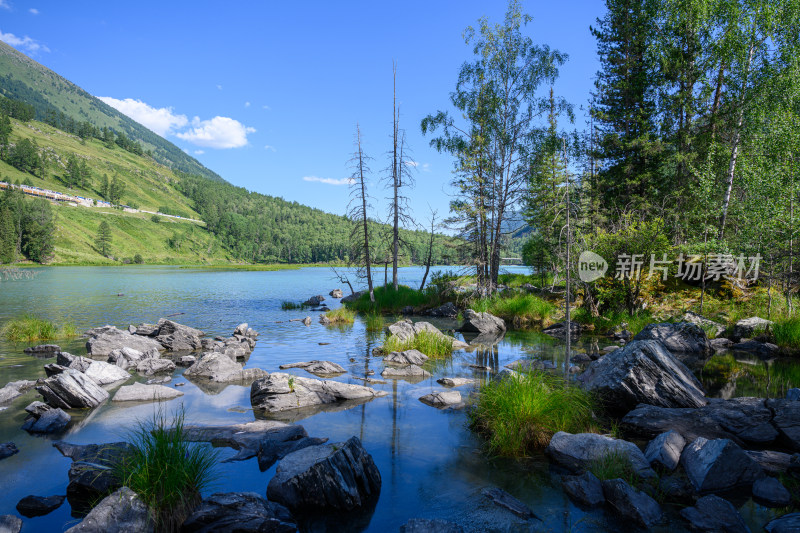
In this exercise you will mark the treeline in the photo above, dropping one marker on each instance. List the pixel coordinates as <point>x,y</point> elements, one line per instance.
<point>27,227</point>
<point>260,228</point>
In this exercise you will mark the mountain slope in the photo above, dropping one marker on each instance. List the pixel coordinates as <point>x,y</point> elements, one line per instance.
<point>22,78</point>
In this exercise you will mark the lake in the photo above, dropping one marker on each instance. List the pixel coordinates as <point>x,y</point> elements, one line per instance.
<point>431,464</point>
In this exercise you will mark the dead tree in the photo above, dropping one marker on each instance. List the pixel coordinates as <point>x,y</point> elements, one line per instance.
<point>429,259</point>
<point>359,213</point>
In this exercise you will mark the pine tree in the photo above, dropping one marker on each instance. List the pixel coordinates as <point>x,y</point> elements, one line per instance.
<point>103,240</point>
<point>8,236</point>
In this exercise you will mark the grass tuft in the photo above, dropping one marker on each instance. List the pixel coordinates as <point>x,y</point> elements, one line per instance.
<point>167,471</point>
<point>341,316</point>
<point>520,414</point>
<point>614,465</point>
<point>434,345</point>
<point>374,322</point>
<point>787,333</point>
<point>287,305</point>
<point>388,300</point>
<point>30,328</point>
<point>519,309</point>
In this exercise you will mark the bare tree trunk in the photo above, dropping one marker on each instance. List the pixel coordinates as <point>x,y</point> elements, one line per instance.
<point>430,251</point>
<point>567,294</point>
<point>396,170</point>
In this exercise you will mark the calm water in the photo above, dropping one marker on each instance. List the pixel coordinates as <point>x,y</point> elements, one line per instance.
<point>431,464</point>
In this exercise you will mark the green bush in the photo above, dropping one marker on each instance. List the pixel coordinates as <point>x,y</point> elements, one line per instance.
<point>167,471</point>
<point>138,259</point>
<point>519,309</point>
<point>520,414</point>
<point>155,218</point>
<point>434,345</point>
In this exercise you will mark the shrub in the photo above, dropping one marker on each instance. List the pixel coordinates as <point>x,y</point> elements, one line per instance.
<point>155,218</point>
<point>286,305</point>
<point>341,316</point>
<point>432,344</point>
<point>138,259</point>
<point>787,333</point>
<point>167,471</point>
<point>521,413</point>
<point>29,328</point>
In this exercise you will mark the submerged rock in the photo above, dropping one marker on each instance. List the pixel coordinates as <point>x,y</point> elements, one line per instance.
<point>33,506</point>
<point>718,465</point>
<point>680,338</point>
<point>577,451</point>
<point>483,323</point>
<point>15,389</point>
<point>281,392</point>
<point>425,525</point>
<point>327,477</point>
<point>45,419</point>
<point>120,512</point>
<point>217,367</point>
<point>242,512</point>
<point>71,390</point>
<point>714,514</point>
<point>139,392</point>
<point>642,372</point>
<point>503,499</point>
<point>324,368</point>
<point>7,449</point>
<point>631,503</point>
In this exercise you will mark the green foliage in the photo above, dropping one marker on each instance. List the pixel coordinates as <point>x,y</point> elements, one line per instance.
<point>24,156</point>
<point>8,235</point>
<point>374,322</point>
<point>515,308</point>
<point>156,219</point>
<point>37,229</point>
<point>610,320</point>
<point>103,240</point>
<point>520,414</point>
<point>614,465</point>
<point>167,471</point>
<point>30,328</point>
<point>342,315</point>
<point>431,344</point>
<point>389,300</point>
<point>787,333</point>
<point>287,305</point>
<point>138,259</point>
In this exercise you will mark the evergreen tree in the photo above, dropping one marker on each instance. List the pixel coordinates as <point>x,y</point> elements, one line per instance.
<point>103,240</point>
<point>5,131</point>
<point>38,230</point>
<point>8,236</point>
<point>115,190</point>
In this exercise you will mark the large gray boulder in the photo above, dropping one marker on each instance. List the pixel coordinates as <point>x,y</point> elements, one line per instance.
<point>128,357</point>
<point>680,338</point>
<point>45,419</point>
<point>408,372</point>
<point>718,465</point>
<point>745,421</point>
<point>408,357</point>
<point>328,477</point>
<point>120,512</point>
<point>169,327</point>
<point>72,390</point>
<point>109,339</point>
<point>33,506</point>
<point>577,451</point>
<point>279,392</point>
<point>219,368</point>
<point>704,323</point>
<point>15,389</point>
<point>151,366</point>
<point>442,399</point>
<point>642,372</point>
<point>632,504</point>
<point>139,392</point>
<point>665,450</point>
<point>242,512</point>
<point>483,323</point>
<point>105,373</point>
<point>406,330</point>
<point>748,328</point>
<point>713,514</point>
<point>319,368</point>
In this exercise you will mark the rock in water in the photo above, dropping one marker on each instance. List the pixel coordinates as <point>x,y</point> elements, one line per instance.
<point>10,523</point>
<point>442,399</point>
<point>642,372</point>
<point>152,366</point>
<point>770,492</point>
<point>105,373</point>
<point>579,450</point>
<point>220,368</point>
<point>712,513</point>
<point>120,512</point>
<point>102,343</point>
<point>242,512</point>
<point>33,506</point>
<point>282,392</point>
<point>15,389</point>
<point>45,419</point>
<point>408,357</point>
<point>680,338</point>
<point>718,465</point>
<point>139,392</point>
<point>507,501</point>
<point>406,372</point>
<point>665,450</point>
<point>631,503</point>
<point>455,382</point>
<point>7,449</point>
<point>483,323</point>
<point>788,523</point>
<point>314,301</point>
<point>425,525</point>
<point>72,390</point>
<point>324,368</point>
<point>584,489</point>
<point>43,350</point>
<point>336,293</point>
<point>327,477</point>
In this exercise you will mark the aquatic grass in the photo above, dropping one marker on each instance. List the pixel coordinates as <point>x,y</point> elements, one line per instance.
<point>434,345</point>
<point>519,309</point>
<point>287,305</point>
<point>374,322</point>
<point>520,414</point>
<point>30,328</point>
<point>613,465</point>
<point>167,471</point>
<point>341,316</point>
<point>388,300</point>
<point>787,333</point>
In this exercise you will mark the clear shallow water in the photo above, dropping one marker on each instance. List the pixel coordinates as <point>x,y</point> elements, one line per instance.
<point>432,466</point>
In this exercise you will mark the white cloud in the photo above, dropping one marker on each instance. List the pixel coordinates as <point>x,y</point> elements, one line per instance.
<point>219,87</point>
<point>33,11</point>
<point>270,148</point>
<point>268,108</point>
<point>329,181</point>
<point>4,4</point>
<point>160,120</point>
<point>219,132</point>
<point>412,164</point>
<point>22,43</point>
<point>247,104</point>
<point>199,152</point>
<point>426,167</point>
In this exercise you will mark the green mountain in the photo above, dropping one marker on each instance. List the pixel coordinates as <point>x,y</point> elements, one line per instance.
<point>22,78</point>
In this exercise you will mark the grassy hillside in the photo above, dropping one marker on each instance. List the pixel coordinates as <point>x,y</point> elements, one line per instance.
<point>22,78</point>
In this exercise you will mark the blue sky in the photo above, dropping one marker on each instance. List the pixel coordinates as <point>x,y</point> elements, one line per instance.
<point>267,94</point>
